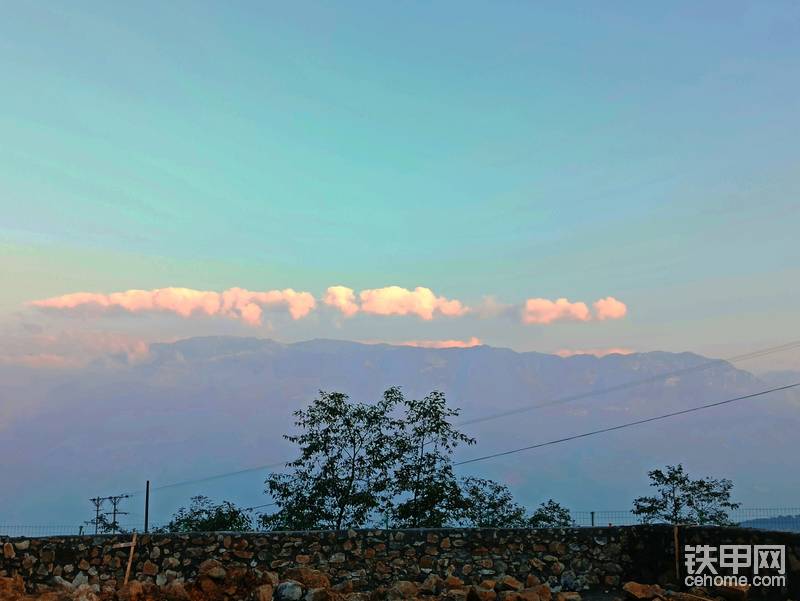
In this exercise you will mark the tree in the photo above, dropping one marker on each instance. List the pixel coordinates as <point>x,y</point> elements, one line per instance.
<point>347,453</point>
<point>681,500</point>
<point>203,515</point>
<point>427,493</point>
<point>550,515</point>
<point>489,504</point>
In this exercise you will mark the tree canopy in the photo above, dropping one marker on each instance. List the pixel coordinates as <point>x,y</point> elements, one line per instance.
<point>203,515</point>
<point>387,463</point>
<point>681,500</point>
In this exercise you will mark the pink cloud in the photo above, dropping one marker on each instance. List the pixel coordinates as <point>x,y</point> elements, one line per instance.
<point>70,348</point>
<point>473,341</point>
<point>236,303</point>
<point>610,308</point>
<point>341,298</point>
<point>545,311</point>
<point>422,302</point>
<point>599,352</point>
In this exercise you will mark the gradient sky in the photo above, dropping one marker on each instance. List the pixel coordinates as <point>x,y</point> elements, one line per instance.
<point>506,150</point>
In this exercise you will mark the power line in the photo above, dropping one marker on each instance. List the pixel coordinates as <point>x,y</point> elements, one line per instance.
<point>562,400</point>
<point>214,477</point>
<point>633,383</point>
<point>260,506</point>
<point>626,425</point>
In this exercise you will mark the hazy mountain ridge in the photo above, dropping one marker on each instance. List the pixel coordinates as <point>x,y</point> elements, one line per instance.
<point>202,406</point>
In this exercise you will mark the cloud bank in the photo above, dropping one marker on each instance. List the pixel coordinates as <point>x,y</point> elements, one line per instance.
<point>597,352</point>
<point>473,341</point>
<point>610,308</point>
<point>545,311</point>
<point>235,303</point>
<point>248,306</point>
<point>393,300</point>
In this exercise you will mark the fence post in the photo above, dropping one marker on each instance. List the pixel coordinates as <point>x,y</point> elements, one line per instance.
<point>147,507</point>
<point>592,512</point>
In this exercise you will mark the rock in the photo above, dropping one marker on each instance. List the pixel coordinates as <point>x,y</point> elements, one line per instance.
<point>344,587</point>
<point>171,563</point>
<point>263,593</point>
<point>733,592</point>
<point>133,591</point>
<point>271,578</point>
<point>453,582</point>
<point>679,596</point>
<point>213,569</point>
<point>22,545</point>
<point>289,590</point>
<point>59,582</point>
<point>532,580</point>
<point>543,591</point>
<point>175,590</point>
<point>80,578</point>
<point>149,568</point>
<point>8,551</point>
<point>337,558</point>
<point>11,588</point>
<point>529,594</point>
<point>308,577</point>
<point>478,593</point>
<point>402,589</point>
<point>488,584</point>
<point>433,584</point>
<point>509,583</point>
<point>568,596</point>
<point>155,553</point>
<point>85,593</point>
<point>321,594</point>
<point>636,590</point>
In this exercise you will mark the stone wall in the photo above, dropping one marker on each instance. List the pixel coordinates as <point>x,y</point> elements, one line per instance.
<point>575,559</point>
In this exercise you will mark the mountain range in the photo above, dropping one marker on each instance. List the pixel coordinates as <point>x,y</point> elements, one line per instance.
<point>206,406</point>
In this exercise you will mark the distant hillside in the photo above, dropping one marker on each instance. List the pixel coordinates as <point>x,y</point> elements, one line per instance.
<point>785,523</point>
<point>204,406</point>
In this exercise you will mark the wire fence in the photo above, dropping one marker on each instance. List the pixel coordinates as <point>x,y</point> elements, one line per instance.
<point>781,519</point>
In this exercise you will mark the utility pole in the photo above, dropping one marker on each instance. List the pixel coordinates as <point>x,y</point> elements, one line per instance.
<point>98,505</point>
<point>115,501</point>
<point>147,506</point>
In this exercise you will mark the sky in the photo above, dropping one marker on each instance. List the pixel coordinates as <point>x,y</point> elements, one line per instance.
<point>416,173</point>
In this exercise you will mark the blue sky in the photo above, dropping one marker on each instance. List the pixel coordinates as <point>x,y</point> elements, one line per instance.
<point>507,150</point>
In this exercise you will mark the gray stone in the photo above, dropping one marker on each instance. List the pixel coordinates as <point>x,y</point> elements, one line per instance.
<point>289,590</point>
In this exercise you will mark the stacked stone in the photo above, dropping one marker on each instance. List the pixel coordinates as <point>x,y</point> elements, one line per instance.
<point>562,559</point>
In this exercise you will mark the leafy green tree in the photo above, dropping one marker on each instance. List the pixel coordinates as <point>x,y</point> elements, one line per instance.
<point>427,493</point>
<point>489,504</point>
<point>550,515</point>
<point>681,500</point>
<point>203,515</point>
<point>347,454</point>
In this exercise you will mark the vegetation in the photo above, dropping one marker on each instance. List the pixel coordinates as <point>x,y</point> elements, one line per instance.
<point>550,515</point>
<point>681,500</point>
<point>426,492</point>
<point>342,476</point>
<point>203,515</point>
<point>489,504</point>
<point>390,463</point>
